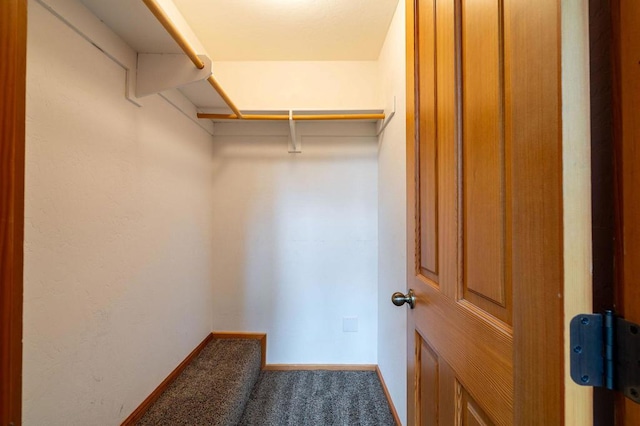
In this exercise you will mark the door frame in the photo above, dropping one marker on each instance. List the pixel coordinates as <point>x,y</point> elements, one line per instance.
<point>13,40</point>
<point>577,195</point>
<point>13,18</point>
<point>626,134</point>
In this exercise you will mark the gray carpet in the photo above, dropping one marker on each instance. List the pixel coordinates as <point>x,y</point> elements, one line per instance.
<point>216,389</point>
<point>213,389</point>
<point>317,398</point>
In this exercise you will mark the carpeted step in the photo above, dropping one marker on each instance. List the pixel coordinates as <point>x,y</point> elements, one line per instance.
<point>213,389</point>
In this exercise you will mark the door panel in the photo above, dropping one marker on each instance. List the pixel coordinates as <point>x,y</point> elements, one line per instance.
<point>477,347</point>
<point>443,398</point>
<point>470,412</point>
<point>428,382</point>
<point>474,301</point>
<point>465,336</point>
<point>428,150</point>
<point>486,277</point>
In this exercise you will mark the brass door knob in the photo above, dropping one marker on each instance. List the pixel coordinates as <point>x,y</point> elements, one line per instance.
<point>400,299</point>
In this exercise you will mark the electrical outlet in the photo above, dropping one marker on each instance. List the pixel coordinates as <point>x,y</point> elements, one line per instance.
<point>350,324</point>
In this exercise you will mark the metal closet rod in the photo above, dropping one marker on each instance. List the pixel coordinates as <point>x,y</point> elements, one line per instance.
<point>186,47</point>
<point>295,117</point>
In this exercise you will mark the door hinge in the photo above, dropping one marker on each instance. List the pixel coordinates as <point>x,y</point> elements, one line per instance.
<point>605,352</point>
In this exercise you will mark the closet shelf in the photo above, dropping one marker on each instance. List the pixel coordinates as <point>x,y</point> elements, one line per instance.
<point>237,114</point>
<point>186,47</point>
<point>148,26</point>
<point>188,50</point>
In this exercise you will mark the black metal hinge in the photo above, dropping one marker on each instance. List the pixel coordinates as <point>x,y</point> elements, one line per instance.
<point>605,352</point>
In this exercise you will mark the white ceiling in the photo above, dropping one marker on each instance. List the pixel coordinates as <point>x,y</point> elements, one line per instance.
<point>289,30</point>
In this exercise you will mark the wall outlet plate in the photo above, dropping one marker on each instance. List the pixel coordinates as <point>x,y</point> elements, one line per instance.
<point>350,324</point>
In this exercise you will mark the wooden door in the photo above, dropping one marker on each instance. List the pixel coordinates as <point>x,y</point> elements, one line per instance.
<point>484,181</point>
<point>626,26</point>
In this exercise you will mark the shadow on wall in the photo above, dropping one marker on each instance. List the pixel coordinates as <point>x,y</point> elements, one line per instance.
<point>296,239</point>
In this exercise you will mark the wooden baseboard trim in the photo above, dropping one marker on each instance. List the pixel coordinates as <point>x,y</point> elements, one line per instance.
<point>331,367</point>
<point>242,335</point>
<point>142,408</point>
<point>396,418</point>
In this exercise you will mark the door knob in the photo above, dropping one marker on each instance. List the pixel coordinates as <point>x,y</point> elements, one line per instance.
<point>400,299</point>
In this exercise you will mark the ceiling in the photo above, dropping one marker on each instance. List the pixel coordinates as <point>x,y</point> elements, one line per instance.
<point>289,30</point>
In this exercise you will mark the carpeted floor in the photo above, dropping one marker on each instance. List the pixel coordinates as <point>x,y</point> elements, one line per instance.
<point>223,386</point>
<point>317,398</point>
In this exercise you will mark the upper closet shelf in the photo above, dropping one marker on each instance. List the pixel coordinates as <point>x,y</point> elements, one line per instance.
<point>168,60</point>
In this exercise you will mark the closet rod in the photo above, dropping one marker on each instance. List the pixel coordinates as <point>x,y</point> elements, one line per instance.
<point>173,32</point>
<point>214,83</point>
<point>296,117</point>
<point>186,47</point>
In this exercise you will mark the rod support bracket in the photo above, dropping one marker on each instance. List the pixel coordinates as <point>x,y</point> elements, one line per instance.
<point>158,72</point>
<point>295,145</point>
<point>388,116</point>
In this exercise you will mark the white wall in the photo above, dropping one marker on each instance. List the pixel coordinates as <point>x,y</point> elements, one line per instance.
<point>392,272</point>
<point>118,235</point>
<point>295,239</point>
<point>269,85</point>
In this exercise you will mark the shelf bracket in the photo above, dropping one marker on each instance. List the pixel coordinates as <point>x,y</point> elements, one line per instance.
<point>389,115</point>
<point>295,145</point>
<point>158,72</point>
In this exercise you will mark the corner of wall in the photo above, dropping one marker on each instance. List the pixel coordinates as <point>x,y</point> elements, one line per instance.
<point>392,356</point>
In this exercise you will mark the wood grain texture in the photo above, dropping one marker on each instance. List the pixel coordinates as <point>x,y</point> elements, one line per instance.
<point>448,75</point>
<point>487,275</point>
<point>532,50</point>
<point>448,388</point>
<point>514,374</point>
<point>472,343</point>
<point>469,411</point>
<point>392,406</point>
<point>13,48</point>
<point>480,351</point>
<point>576,137</point>
<point>429,384</point>
<point>413,399</point>
<point>626,27</point>
<point>144,406</point>
<point>242,335</point>
<point>427,131</point>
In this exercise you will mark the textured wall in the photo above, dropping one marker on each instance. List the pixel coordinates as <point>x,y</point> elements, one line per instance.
<point>392,202</point>
<point>117,235</point>
<point>296,239</point>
